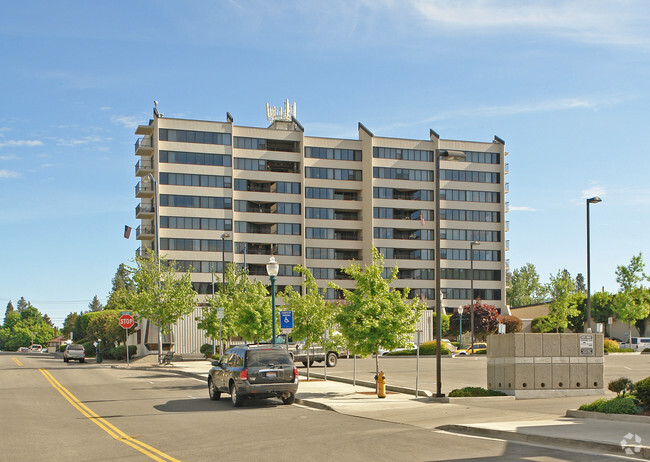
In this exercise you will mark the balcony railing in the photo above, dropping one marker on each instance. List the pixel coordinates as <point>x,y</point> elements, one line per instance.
<point>143,189</point>
<point>507,245</point>
<point>506,188</point>
<point>143,145</point>
<point>507,207</point>
<point>144,230</point>
<point>142,167</point>
<point>507,226</point>
<point>144,209</point>
<point>506,168</point>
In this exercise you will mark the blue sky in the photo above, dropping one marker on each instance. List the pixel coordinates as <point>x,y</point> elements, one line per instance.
<point>564,83</point>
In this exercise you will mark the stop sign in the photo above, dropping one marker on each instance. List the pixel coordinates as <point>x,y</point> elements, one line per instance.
<point>126,321</point>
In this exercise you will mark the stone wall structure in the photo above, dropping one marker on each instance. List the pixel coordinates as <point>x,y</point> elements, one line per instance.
<point>545,365</point>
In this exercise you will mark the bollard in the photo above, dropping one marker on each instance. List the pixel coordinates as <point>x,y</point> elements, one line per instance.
<point>381,384</point>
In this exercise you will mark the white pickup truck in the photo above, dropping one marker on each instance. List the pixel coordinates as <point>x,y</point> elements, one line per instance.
<point>637,344</point>
<point>317,354</point>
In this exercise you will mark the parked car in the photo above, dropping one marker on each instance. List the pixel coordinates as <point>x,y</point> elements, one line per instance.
<point>450,346</point>
<point>74,351</point>
<point>247,371</point>
<point>35,348</point>
<point>298,352</point>
<point>637,344</point>
<point>409,346</point>
<point>23,350</point>
<point>478,346</point>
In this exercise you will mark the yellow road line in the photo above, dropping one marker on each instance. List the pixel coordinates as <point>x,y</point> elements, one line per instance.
<point>17,361</point>
<point>102,423</point>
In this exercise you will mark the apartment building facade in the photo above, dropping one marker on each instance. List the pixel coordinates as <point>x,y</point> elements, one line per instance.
<point>224,193</point>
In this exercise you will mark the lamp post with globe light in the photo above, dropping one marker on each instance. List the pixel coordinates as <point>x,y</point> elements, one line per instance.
<point>272,268</point>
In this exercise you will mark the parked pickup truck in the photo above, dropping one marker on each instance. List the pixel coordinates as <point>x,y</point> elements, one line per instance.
<point>298,353</point>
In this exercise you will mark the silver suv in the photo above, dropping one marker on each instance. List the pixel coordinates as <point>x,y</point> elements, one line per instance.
<point>74,351</point>
<point>254,372</point>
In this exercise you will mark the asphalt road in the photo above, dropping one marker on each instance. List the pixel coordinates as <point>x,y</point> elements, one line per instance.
<point>88,412</point>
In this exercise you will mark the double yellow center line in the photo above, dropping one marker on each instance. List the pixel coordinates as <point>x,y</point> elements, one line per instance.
<point>102,423</point>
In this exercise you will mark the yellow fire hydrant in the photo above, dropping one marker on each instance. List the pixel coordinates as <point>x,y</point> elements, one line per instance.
<point>381,384</point>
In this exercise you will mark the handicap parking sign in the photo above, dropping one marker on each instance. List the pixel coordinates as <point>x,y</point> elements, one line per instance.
<point>286,319</point>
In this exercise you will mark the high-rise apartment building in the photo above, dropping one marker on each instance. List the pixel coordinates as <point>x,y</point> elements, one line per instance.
<point>226,192</point>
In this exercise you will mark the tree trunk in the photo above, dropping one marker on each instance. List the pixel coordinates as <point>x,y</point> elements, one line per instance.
<point>376,371</point>
<point>307,364</point>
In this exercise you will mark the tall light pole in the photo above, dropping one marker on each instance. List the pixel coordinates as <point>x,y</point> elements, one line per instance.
<point>460,324</point>
<point>224,236</point>
<point>272,268</point>
<point>447,155</point>
<point>471,287</point>
<point>157,250</point>
<point>593,200</point>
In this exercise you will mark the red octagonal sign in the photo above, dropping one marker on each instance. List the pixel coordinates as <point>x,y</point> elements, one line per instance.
<point>126,321</point>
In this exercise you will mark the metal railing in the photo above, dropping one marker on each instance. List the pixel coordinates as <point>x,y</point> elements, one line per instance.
<point>143,165</point>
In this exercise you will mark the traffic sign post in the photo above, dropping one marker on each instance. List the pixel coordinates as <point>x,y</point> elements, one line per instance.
<point>127,321</point>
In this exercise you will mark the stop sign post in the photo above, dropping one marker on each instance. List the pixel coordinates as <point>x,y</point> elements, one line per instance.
<point>126,321</point>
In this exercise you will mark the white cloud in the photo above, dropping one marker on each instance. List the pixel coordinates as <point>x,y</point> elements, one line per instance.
<point>522,208</point>
<point>9,157</point>
<point>44,156</point>
<point>127,121</point>
<point>593,192</point>
<point>8,174</point>
<point>21,143</point>
<point>79,141</point>
<point>587,21</point>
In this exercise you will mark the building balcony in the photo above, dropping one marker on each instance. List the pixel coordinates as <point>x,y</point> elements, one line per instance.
<point>507,228</point>
<point>144,211</point>
<point>506,168</point>
<point>507,207</point>
<point>143,190</point>
<point>143,167</point>
<point>144,147</point>
<point>507,245</point>
<point>506,188</point>
<point>145,233</point>
<point>144,129</point>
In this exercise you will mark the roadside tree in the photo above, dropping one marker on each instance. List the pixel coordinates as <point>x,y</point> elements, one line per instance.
<point>486,320</point>
<point>95,304</point>
<point>122,290</point>
<point>632,303</point>
<point>375,315</point>
<point>561,289</point>
<point>312,315</point>
<point>162,295</point>
<point>525,288</point>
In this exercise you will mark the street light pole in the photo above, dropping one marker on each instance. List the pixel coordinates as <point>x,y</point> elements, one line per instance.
<point>224,236</point>
<point>460,324</point>
<point>471,287</point>
<point>272,268</point>
<point>447,155</point>
<point>593,200</point>
<point>157,250</point>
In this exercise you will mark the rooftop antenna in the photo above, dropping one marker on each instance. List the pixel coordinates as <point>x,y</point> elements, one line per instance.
<point>285,114</point>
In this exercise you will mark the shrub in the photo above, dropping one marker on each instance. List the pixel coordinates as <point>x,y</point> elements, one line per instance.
<point>620,386</point>
<point>611,346</point>
<point>429,348</point>
<point>513,323</point>
<point>120,352</point>
<point>618,405</point>
<point>206,349</point>
<point>62,347</point>
<point>89,347</point>
<point>474,391</point>
<point>541,325</point>
<point>642,391</point>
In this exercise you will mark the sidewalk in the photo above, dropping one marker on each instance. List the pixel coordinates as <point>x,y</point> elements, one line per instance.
<point>538,421</point>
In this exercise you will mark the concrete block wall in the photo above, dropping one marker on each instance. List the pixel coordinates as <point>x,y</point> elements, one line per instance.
<point>538,365</point>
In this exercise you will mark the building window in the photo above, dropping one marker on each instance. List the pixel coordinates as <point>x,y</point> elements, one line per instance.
<point>402,174</point>
<point>407,254</point>
<point>465,294</point>
<point>204,181</point>
<point>482,157</point>
<point>408,234</point>
<point>463,254</point>
<point>191,136</point>
<point>469,176</point>
<point>195,158</point>
<point>216,224</point>
<point>403,214</point>
<point>403,194</point>
<point>333,174</point>
<point>470,215</point>
<point>470,235</point>
<point>469,196</point>
<point>332,153</point>
<point>402,154</point>
<point>266,144</point>
<point>195,245</point>
<point>463,274</point>
<point>199,202</point>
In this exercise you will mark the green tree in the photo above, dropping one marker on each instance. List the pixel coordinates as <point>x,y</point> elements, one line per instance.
<point>632,303</point>
<point>312,315</point>
<point>105,325</point>
<point>11,317</point>
<point>561,288</point>
<point>69,324</point>
<point>580,283</point>
<point>22,304</point>
<point>122,290</point>
<point>95,304</point>
<point>376,316</point>
<point>525,288</point>
<point>162,296</point>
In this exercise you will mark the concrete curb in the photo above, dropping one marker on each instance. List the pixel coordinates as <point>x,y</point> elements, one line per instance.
<point>643,419</point>
<point>552,441</point>
<point>367,384</point>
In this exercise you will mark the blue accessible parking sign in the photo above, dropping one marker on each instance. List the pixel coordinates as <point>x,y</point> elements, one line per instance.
<point>286,319</point>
